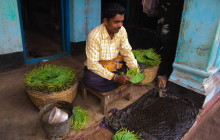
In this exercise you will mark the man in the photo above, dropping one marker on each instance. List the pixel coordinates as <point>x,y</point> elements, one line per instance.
<point>103,45</point>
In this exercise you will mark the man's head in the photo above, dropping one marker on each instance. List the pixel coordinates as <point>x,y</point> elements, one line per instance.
<point>113,17</point>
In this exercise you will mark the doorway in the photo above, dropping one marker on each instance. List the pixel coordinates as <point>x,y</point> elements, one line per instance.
<point>45,33</point>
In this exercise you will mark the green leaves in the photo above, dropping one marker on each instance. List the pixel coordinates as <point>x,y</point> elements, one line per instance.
<point>124,134</point>
<point>136,76</point>
<point>139,77</point>
<point>79,119</point>
<point>50,78</point>
<point>148,57</point>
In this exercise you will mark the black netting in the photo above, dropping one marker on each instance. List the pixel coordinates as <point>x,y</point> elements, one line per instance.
<point>154,117</point>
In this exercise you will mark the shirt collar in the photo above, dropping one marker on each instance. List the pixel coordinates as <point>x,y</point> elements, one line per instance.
<point>105,33</point>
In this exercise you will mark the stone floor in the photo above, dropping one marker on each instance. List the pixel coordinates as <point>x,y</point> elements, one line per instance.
<point>19,118</point>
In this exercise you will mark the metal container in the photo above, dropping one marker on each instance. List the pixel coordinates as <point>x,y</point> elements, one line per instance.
<point>57,131</point>
<point>57,116</point>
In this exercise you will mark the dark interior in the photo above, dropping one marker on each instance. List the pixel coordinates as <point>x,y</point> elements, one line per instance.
<point>159,31</point>
<point>42,27</point>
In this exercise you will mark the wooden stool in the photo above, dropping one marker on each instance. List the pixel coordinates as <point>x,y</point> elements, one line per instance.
<point>108,97</point>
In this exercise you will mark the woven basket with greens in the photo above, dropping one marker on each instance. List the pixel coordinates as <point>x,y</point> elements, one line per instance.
<point>50,78</point>
<point>148,57</point>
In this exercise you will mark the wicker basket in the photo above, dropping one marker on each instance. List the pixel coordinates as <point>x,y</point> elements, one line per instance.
<point>150,74</point>
<point>40,98</point>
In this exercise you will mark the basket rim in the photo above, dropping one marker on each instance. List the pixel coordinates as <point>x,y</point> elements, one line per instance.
<point>46,93</point>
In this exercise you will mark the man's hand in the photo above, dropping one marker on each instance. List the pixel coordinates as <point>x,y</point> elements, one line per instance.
<point>122,79</point>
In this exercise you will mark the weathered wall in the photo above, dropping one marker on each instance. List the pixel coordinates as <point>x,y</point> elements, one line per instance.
<point>198,33</point>
<point>197,61</point>
<point>216,50</point>
<point>84,15</point>
<point>10,33</point>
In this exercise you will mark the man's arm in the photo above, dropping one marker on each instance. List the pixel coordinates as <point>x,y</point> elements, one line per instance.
<point>126,51</point>
<point>92,52</point>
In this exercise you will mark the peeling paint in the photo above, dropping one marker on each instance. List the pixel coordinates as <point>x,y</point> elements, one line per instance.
<point>202,51</point>
<point>197,34</point>
<point>198,51</point>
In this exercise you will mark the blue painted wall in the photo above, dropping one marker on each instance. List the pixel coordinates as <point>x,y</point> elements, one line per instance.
<point>198,33</point>
<point>197,61</point>
<point>10,32</point>
<point>84,16</point>
<point>216,44</point>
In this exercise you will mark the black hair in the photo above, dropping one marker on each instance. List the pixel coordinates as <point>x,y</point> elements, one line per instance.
<point>112,9</point>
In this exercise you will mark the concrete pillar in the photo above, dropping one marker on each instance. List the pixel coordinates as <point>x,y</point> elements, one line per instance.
<point>197,61</point>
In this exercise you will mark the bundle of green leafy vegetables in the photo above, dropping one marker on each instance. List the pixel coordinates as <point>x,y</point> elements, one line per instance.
<point>135,74</point>
<point>50,78</point>
<point>79,119</point>
<point>124,134</point>
<point>148,57</point>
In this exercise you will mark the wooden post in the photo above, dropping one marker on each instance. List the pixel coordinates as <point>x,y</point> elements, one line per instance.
<point>104,105</point>
<point>84,91</point>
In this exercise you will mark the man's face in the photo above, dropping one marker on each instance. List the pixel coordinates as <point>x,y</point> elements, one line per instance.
<point>114,24</point>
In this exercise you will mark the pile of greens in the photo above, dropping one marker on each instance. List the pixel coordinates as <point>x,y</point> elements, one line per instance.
<point>136,76</point>
<point>50,78</point>
<point>124,134</point>
<point>79,119</point>
<point>148,57</point>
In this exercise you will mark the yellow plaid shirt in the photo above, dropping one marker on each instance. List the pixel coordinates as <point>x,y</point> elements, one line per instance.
<point>99,46</point>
